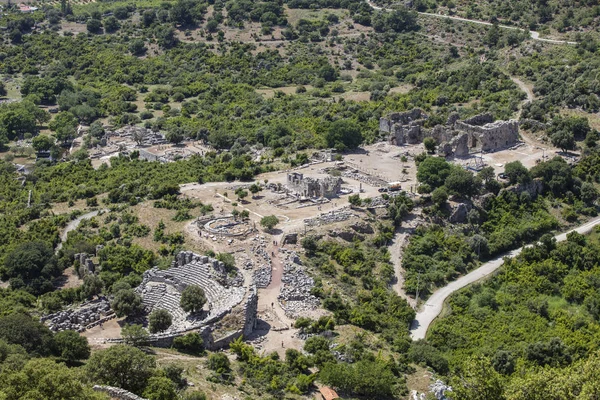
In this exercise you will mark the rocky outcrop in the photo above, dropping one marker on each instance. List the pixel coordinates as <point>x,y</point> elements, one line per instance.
<point>459,214</point>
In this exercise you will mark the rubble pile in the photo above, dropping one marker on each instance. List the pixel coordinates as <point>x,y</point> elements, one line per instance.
<point>262,275</point>
<point>439,389</point>
<point>295,294</point>
<point>368,179</point>
<point>379,202</point>
<point>329,218</point>
<point>84,317</point>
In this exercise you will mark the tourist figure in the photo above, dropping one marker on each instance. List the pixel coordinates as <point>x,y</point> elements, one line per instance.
<point>282,343</point>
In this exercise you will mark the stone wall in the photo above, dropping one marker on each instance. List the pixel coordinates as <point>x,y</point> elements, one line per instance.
<point>117,393</point>
<point>479,120</point>
<point>492,136</point>
<point>85,263</point>
<point>250,311</point>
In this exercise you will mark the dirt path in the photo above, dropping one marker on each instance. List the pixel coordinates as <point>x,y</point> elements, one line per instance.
<point>523,86</point>
<point>73,225</point>
<point>433,307</point>
<point>395,250</point>
<point>281,336</point>
<point>533,34</point>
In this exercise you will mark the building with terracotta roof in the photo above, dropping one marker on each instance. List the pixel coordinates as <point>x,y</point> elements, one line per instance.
<point>328,393</point>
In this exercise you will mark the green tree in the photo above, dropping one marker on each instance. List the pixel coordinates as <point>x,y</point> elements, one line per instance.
<point>127,303</point>
<point>122,366</point>
<point>254,189</point>
<point>589,193</point>
<point>42,378</point>
<point>64,125</point>
<point>94,25</point>
<point>189,343</point>
<point>355,200</point>
<point>228,260</point>
<point>478,381</point>
<point>192,299</point>
<point>219,363</point>
<point>241,194</point>
<point>564,140</point>
<point>31,264</point>
<point>343,134</point>
<point>517,172</point>
<point>175,135</point>
<point>24,331</point>
<point>372,379</point>
<point>462,182</point>
<point>487,174</point>
<point>433,171</point>
<point>159,320</point>
<point>71,346</point>
<point>111,24</point>
<point>429,144</point>
<point>310,244</point>
<point>269,222</point>
<point>92,286</point>
<point>42,143</point>
<point>137,47</point>
<point>439,196</point>
<point>160,388</point>
<point>135,335</point>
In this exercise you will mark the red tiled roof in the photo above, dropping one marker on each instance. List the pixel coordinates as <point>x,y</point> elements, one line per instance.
<point>328,393</point>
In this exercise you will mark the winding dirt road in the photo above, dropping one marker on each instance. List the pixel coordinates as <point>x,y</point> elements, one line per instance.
<point>73,225</point>
<point>433,307</point>
<point>533,34</point>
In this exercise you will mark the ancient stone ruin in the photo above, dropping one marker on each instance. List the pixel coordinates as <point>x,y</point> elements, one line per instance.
<point>455,138</point>
<point>86,316</point>
<point>86,264</point>
<point>230,310</point>
<point>404,127</point>
<point>295,294</point>
<point>307,187</point>
<point>161,289</point>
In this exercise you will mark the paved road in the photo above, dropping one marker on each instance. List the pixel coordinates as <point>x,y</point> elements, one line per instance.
<point>534,35</point>
<point>73,225</point>
<point>434,304</point>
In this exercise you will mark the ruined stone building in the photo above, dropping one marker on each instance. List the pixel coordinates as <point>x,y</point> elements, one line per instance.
<point>230,310</point>
<point>311,187</point>
<point>456,137</point>
<point>404,127</point>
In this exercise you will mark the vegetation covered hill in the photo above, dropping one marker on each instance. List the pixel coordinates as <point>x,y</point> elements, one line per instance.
<point>280,79</point>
